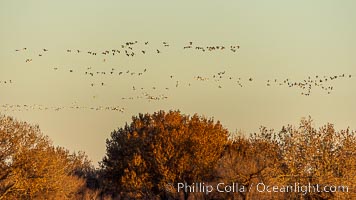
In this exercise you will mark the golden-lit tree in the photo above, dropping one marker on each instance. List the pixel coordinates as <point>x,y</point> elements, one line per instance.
<point>162,148</point>
<point>299,155</point>
<point>32,168</point>
<point>247,162</point>
<point>323,157</point>
<point>147,159</point>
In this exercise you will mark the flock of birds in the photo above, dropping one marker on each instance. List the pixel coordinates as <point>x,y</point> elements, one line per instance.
<point>306,85</point>
<point>117,72</point>
<point>94,74</point>
<point>26,107</point>
<point>131,49</point>
<point>101,76</point>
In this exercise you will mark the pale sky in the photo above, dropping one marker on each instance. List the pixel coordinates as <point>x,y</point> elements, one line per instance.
<point>278,39</point>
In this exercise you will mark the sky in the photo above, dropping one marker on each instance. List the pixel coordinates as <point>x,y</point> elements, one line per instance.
<point>277,40</point>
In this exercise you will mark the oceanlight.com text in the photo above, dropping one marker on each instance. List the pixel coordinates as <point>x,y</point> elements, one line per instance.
<point>259,187</point>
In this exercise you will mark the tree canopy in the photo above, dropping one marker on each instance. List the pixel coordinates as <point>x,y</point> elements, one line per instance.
<point>32,168</point>
<point>147,158</point>
<point>163,148</point>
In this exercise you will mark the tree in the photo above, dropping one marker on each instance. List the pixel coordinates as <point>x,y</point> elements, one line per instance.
<point>160,149</point>
<point>247,162</point>
<point>299,155</point>
<point>32,168</point>
<point>321,157</point>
